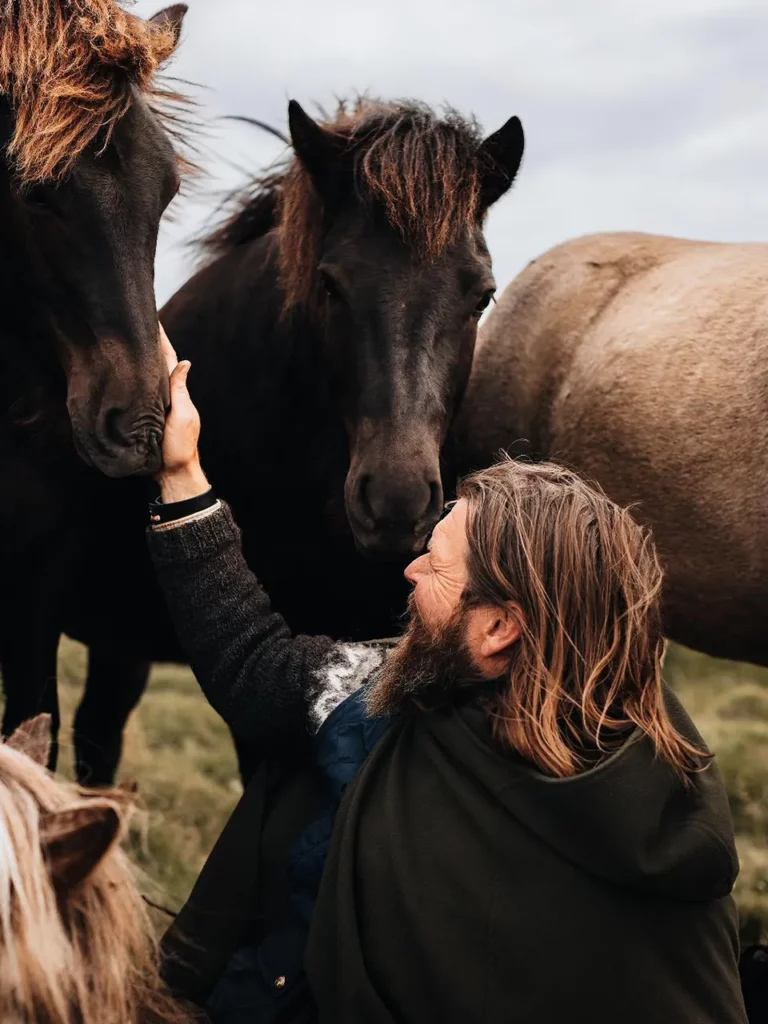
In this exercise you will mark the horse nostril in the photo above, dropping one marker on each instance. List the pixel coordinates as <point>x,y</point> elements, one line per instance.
<point>398,502</point>
<point>113,427</point>
<point>121,431</point>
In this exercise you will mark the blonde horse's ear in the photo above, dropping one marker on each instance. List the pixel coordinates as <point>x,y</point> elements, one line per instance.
<point>33,738</point>
<point>75,839</point>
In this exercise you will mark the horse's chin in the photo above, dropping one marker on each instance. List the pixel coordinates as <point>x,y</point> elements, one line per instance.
<point>139,459</point>
<point>385,546</point>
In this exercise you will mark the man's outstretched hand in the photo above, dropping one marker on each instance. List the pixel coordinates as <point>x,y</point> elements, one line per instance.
<point>181,476</point>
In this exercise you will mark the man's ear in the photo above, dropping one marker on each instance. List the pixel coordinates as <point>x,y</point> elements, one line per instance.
<point>502,628</point>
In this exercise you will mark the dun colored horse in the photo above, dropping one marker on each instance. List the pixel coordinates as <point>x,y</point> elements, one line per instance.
<point>643,363</point>
<point>86,169</point>
<point>331,335</point>
<point>75,940</point>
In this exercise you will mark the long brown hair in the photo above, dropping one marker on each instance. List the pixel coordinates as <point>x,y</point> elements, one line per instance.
<point>586,579</point>
<point>79,951</point>
<point>68,70</point>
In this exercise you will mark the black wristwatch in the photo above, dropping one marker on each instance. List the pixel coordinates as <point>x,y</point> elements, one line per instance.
<point>159,512</point>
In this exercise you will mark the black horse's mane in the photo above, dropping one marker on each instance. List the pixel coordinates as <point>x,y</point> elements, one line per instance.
<point>421,167</point>
<point>256,210</point>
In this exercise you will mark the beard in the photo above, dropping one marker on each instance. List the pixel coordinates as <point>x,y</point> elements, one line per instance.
<point>427,668</point>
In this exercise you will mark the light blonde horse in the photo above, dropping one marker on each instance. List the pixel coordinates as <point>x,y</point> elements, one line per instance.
<point>642,362</point>
<point>76,946</point>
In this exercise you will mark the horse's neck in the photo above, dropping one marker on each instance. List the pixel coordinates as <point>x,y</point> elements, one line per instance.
<point>257,377</point>
<point>30,378</point>
<point>12,322</point>
<point>227,320</point>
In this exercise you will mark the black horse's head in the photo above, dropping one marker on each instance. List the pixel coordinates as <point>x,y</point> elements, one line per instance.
<point>87,170</point>
<point>381,234</point>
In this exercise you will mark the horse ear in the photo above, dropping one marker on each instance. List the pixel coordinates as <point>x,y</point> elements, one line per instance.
<point>318,149</point>
<point>33,738</point>
<point>171,18</point>
<point>500,157</point>
<point>74,840</point>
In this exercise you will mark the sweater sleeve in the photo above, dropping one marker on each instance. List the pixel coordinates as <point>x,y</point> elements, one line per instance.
<point>263,681</point>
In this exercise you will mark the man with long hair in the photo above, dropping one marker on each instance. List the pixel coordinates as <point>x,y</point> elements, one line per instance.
<point>520,821</point>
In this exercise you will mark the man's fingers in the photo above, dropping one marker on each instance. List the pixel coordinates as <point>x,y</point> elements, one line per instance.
<point>179,373</point>
<point>181,403</point>
<point>169,353</point>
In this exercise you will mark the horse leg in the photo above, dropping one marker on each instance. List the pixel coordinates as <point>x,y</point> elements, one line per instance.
<point>28,647</point>
<point>113,688</point>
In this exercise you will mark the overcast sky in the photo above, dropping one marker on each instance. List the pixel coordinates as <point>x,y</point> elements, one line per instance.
<point>647,115</point>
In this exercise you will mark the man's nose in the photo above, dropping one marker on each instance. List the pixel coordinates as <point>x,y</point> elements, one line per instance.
<point>414,569</point>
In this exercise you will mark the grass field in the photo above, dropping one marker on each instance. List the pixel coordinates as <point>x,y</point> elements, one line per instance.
<point>178,751</point>
<point>729,704</point>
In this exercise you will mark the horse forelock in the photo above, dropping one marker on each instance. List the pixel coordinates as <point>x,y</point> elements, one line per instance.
<point>68,71</point>
<point>422,169</point>
<point>85,954</point>
<point>419,168</point>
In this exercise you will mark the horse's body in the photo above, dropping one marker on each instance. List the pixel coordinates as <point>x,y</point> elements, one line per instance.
<point>328,357</point>
<point>75,939</point>
<point>642,362</point>
<point>86,170</point>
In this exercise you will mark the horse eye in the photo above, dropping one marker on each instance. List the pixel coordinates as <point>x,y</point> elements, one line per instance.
<point>330,287</point>
<point>39,198</point>
<point>483,304</point>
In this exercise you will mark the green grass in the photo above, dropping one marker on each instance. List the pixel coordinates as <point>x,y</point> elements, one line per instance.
<point>728,701</point>
<point>179,752</point>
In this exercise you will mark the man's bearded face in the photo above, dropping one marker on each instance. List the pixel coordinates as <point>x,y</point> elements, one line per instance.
<point>428,664</point>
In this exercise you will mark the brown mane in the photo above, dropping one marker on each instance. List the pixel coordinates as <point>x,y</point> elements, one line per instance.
<point>67,69</point>
<point>419,169</point>
<point>81,949</point>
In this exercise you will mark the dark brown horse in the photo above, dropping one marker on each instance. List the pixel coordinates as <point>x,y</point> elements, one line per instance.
<point>643,363</point>
<point>331,336</point>
<point>86,169</point>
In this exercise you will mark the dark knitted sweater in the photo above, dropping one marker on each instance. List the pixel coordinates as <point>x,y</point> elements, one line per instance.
<point>269,686</point>
<point>274,690</point>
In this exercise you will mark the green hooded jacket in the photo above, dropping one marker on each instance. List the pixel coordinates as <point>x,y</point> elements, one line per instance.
<point>465,886</point>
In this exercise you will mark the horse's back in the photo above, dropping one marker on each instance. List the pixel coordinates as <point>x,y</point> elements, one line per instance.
<point>526,346</point>
<point>642,361</point>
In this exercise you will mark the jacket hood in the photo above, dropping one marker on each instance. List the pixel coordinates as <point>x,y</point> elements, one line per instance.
<point>629,820</point>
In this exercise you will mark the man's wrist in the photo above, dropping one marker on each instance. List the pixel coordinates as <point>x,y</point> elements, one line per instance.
<point>182,484</point>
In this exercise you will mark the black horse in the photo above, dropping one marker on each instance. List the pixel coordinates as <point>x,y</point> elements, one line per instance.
<point>86,169</point>
<point>331,336</point>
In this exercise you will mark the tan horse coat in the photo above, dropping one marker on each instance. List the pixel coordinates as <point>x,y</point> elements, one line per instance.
<point>642,362</point>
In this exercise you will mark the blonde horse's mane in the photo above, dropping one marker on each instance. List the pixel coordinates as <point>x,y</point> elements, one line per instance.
<point>68,68</point>
<point>76,945</point>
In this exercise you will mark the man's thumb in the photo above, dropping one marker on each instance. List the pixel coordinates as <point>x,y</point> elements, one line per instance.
<point>179,376</point>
